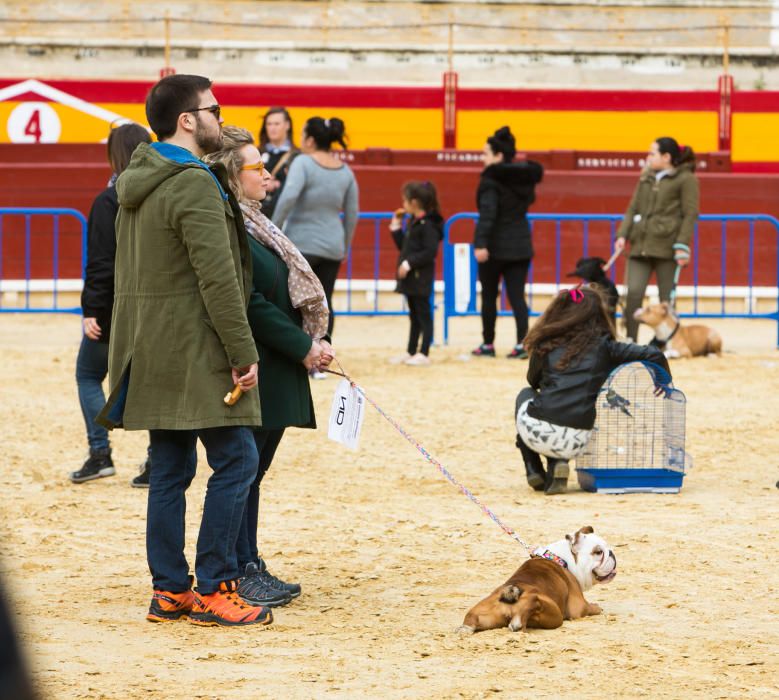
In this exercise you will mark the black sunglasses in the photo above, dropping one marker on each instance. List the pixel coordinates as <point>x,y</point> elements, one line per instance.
<point>216,110</point>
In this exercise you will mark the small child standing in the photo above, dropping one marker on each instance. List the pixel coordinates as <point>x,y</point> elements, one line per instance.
<point>572,351</point>
<point>418,247</point>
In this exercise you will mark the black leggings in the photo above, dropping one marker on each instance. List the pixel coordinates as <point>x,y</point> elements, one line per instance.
<point>327,272</point>
<point>514,274</point>
<point>421,318</point>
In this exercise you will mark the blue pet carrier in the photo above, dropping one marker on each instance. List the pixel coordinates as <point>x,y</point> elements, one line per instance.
<point>637,444</point>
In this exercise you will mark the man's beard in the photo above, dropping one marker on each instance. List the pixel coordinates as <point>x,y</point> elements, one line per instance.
<point>208,142</point>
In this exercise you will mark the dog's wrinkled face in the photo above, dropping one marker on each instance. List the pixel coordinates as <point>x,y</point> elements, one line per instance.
<point>594,559</point>
<point>654,314</point>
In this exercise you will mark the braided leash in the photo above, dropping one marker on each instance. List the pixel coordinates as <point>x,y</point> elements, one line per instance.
<point>463,489</point>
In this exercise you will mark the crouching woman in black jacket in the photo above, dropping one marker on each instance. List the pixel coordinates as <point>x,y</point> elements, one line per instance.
<point>418,247</point>
<point>572,351</point>
<point>502,244</point>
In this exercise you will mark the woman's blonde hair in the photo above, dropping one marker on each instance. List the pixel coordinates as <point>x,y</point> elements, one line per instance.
<point>234,138</point>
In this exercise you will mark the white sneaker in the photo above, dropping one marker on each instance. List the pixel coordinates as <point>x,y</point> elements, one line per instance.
<point>418,360</point>
<point>399,359</point>
<point>316,374</point>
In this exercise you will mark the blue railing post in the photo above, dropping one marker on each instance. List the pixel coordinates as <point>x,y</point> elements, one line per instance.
<point>28,216</point>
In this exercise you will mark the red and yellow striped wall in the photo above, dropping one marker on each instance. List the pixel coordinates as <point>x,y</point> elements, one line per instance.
<point>68,111</point>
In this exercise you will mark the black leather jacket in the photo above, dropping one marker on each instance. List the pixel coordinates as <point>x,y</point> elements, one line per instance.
<point>567,397</point>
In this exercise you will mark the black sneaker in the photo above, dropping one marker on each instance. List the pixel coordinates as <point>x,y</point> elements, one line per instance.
<point>292,588</point>
<point>98,465</point>
<point>255,590</point>
<point>484,350</point>
<point>518,353</point>
<point>142,480</point>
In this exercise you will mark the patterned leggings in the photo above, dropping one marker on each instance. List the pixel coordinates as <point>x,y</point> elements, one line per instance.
<point>556,441</point>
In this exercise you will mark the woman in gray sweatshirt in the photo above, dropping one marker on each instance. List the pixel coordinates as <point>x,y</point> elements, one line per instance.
<point>318,189</point>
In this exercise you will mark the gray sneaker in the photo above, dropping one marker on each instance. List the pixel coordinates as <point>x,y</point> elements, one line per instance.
<point>255,590</point>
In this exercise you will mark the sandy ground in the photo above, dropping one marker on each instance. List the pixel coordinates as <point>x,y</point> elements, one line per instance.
<point>389,554</point>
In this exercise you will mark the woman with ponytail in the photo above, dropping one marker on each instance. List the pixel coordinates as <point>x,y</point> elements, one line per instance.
<point>501,242</point>
<point>319,188</point>
<point>659,223</point>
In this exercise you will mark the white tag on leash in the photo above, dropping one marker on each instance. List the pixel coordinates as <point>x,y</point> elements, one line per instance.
<point>346,415</point>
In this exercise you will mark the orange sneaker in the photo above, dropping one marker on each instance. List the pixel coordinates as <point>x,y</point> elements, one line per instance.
<point>225,607</point>
<point>167,606</point>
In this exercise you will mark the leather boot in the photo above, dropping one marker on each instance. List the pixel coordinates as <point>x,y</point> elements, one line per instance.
<point>534,468</point>
<point>556,476</point>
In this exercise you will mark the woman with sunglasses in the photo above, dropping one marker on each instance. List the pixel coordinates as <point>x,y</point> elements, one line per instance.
<point>288,315</point>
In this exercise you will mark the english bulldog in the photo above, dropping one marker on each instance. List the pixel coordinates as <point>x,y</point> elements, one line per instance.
<point>676,339</point>
<point>548,588</point>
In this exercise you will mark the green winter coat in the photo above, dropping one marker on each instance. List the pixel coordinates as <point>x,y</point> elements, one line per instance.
<point>667,211</point>
<point>285,393</point>
<point>182,280</point>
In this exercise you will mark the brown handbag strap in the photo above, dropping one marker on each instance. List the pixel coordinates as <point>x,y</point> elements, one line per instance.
<point>282,161</point>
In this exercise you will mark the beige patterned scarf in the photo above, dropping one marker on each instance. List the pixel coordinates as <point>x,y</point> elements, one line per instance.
<point>305,289</point>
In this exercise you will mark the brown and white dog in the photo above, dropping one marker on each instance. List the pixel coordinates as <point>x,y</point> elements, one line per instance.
<point>679,340</point>
<point>548,588</point>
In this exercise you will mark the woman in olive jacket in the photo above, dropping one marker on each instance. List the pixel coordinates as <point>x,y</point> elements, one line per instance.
<point>502,244</point>
<point>659,223</point>
<point>288,316</point>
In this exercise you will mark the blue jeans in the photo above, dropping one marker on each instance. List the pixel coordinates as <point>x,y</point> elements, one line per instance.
<point>232,455</point>
<point>267,442</point>
<point>91,370</point>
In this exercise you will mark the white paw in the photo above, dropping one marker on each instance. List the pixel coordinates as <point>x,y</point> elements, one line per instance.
<point>516,624</point>
<point>464,629</point>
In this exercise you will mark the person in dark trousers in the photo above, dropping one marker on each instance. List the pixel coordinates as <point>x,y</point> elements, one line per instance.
<point>97,302</point>
<point>320,188</point>
<point>418,247</point>
<point>181,339</point>
<point>572,351</point>
<point>288,317</point>
<point>501,243</point>
<point>659,224</point>
<point>278,149</point>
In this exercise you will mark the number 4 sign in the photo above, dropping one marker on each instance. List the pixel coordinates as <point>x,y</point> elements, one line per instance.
<point>346,415</point>
<point>34,122</point>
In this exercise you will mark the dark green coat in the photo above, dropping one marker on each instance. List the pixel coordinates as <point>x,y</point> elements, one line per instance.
<point>285,394</point>
<point>182,279</point>
<point>668,210</point>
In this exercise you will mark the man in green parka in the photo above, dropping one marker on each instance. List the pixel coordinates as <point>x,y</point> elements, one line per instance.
<point>180,341</point>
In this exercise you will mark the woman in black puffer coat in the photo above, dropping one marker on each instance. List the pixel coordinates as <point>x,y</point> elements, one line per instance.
<point>502,244</point>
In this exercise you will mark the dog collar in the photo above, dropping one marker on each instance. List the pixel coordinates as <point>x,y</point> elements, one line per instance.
<point>660,344</point>
<point>551,556</point>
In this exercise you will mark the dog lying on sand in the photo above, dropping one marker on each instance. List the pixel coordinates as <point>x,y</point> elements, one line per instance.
<point>676,339</point>
<point>549,587</point>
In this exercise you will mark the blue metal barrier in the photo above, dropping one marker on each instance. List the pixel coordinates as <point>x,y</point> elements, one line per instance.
<point>27,282</point>
<point>376,217</point>
<point>450,305</point>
